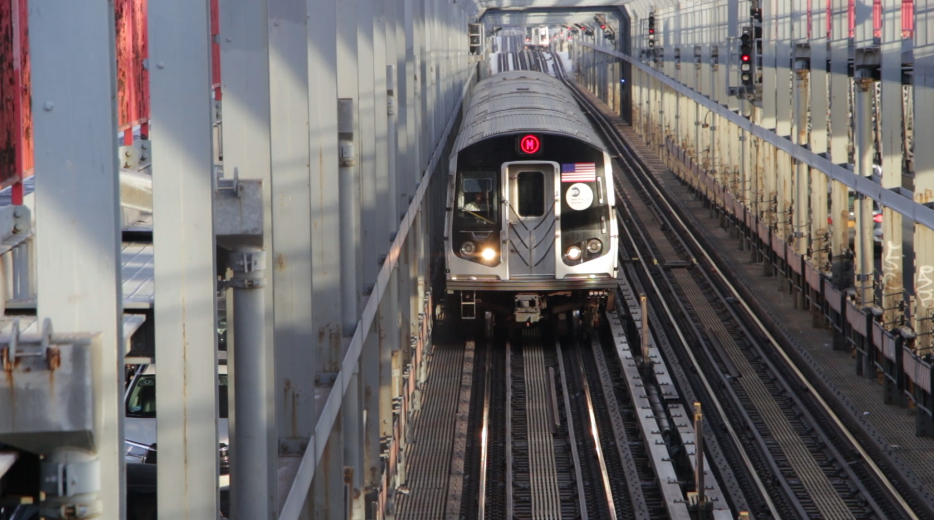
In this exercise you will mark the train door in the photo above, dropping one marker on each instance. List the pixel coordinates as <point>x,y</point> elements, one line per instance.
<point>529,193</point>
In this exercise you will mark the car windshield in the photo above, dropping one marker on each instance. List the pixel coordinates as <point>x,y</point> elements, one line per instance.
<point>142,399</point>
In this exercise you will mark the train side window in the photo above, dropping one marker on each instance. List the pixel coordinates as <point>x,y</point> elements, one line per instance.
<point>531,188</point>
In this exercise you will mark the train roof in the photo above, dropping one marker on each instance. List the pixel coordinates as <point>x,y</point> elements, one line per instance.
<point>523,101</point>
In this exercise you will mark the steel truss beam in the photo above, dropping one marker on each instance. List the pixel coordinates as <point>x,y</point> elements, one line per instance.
<point>900,200</point>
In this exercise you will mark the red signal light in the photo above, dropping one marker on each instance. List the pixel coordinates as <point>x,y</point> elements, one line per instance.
<point>530,144</point>
<point>877,218</point>
<point>744,57</point>
<point>651,31</point>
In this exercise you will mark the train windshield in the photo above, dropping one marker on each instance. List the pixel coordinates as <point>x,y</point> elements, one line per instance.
<point>477,200</point>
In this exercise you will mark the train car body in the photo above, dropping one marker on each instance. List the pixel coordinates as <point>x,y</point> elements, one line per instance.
<point>530,226</point>
<point>539,37</point>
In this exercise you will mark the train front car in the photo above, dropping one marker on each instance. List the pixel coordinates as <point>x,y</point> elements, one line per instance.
<point>530,228</point>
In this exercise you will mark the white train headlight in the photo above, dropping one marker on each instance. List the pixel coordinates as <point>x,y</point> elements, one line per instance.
<point>468,248</point>
<point>573,253</point>
<point>488,254</point>
<point>594,246</point>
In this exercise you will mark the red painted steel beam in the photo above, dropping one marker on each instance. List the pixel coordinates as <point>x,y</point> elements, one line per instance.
<point>16,146</point>
<point>215,49</point>
<point>132,77</point>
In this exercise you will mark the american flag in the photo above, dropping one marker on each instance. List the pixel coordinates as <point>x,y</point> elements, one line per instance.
<point>579,172</point>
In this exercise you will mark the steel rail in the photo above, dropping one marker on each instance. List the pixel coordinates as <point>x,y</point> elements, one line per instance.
<point>484,430</point>
<point>681,336</point>
<point>508,378</point>
<point>880,475</point>
<point>595,432</point>
<point>637,500</point>
<point>581,496</point>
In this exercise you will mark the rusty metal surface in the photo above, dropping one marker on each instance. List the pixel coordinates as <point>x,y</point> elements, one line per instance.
<point>16,143</point>
<point>46,395</point>
<point>132,37</point>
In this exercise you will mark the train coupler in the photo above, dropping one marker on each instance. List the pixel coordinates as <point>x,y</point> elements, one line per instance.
<point>468,305</point>
<point>529,308</point>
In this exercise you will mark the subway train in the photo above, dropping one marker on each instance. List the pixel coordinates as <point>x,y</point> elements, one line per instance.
<point>530,221</point>
<point>539,37</point>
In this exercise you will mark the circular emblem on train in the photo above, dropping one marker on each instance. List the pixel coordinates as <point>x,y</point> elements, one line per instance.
<point>529,144</point>
<point>579,196</point>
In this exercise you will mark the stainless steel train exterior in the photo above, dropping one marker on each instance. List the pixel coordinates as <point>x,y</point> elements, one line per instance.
<point>540,37</point>
<point>530,222</point>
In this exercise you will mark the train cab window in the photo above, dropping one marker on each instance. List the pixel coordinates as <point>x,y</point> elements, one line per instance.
<point>531,191</point>
<point>477,203</point>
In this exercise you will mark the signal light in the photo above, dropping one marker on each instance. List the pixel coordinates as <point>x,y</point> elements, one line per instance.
<point>877,218</point>
<point>745,58</point>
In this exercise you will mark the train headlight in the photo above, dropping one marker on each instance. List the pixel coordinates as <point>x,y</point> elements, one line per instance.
<point>594,246</point>
<point>468,248</point>
<point>573,253</point>
<point>488,254</point>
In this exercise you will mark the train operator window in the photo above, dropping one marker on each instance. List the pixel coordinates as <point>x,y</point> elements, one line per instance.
<point>476,200</point>
<point>531,188</point>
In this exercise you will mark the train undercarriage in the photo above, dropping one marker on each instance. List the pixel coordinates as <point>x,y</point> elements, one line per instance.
<point>565,308</point>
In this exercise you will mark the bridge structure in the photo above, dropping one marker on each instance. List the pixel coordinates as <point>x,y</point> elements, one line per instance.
<point>299,245</point>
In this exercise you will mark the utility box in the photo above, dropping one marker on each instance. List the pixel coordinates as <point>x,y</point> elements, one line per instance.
<point>46,390</point>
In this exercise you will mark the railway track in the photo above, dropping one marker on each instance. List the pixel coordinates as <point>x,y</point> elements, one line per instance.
<point>778,427</point>
<point>556,434</point>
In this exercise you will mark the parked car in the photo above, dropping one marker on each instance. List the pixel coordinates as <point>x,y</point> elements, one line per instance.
<point>140,435</point>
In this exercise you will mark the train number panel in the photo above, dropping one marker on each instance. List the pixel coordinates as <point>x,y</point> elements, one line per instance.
<point>530,227</point>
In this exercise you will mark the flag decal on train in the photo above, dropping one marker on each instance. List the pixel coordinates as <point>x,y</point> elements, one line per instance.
<point>579,172</point>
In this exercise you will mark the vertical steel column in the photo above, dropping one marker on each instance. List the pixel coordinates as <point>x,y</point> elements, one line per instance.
<point>892,156</point>
<point>245,61</point>
<point>801,211</point>
<point>407,152</point>
<point>863,122</point>
<point>291,223</point>
<point>800,237</point>
<point>924,167</point>
<point>784,87</point>
<point>863,206</point>
<point>746,162</point>
<point>185,272</point>
<point>839,137</point>
<point>386,215</point>
<point>326,259</point>
<point>782,53</point>
<point>78,220</point>
<point>395,80</point>
<point>705,32</point>
<point>249,429</point>
<point>820,242</point>
<point>321,55</point>
<point>769,116</point>
<point>349,159</point>
<point>729,29</point>
<point>395,61</point>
